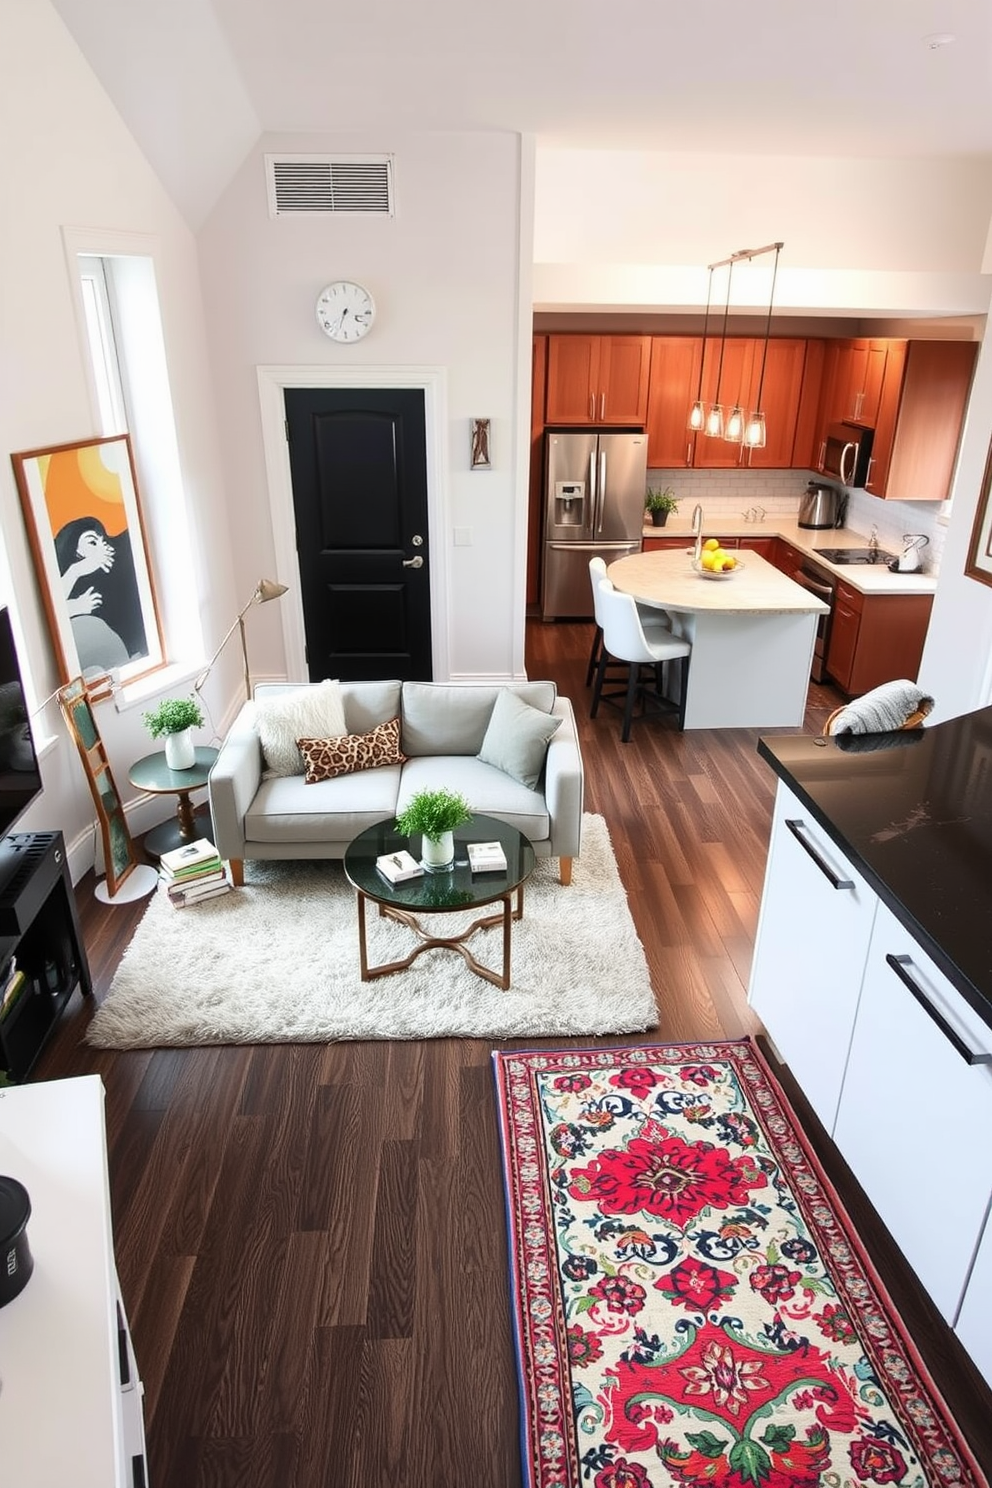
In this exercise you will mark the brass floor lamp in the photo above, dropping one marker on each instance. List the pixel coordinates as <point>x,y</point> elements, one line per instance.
<point>265,590</point>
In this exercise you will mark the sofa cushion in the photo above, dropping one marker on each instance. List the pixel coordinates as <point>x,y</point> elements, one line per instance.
<point>315,711</point>
<point>486,789</point>
<point>346,754</point>
<point>287,810</point>
<point>516,740</point>
<point>439,718</point>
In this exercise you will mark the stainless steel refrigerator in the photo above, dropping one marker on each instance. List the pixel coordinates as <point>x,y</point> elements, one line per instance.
<point>594,491</point>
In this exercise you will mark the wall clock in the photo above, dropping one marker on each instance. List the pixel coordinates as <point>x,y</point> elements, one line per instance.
<point>345,310</point>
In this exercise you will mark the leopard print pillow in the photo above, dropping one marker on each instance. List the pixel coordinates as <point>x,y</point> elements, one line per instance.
<point>343,755</point>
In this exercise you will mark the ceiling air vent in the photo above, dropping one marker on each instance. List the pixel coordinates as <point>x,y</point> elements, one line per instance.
<point>336,185</point>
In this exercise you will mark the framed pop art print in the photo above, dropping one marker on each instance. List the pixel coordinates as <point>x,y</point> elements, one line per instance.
<point>84,524</point>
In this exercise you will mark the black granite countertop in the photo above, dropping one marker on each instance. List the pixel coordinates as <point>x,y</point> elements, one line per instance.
<point>912,811</point>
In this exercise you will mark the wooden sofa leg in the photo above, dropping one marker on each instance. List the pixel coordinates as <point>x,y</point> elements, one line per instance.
<point>237,866</point>
<point>565,871</point>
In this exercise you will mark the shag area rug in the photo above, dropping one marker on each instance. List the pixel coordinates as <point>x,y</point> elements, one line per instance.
<point>691,1303</point>
<point>277,961</point>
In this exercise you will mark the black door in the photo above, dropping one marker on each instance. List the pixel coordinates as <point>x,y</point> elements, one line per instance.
<point>358,460</point>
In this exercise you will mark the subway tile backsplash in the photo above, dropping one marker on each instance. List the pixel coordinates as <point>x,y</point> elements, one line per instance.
<point>735,492</point>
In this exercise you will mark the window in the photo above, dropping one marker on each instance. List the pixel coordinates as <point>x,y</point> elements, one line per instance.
<point>121,324</point>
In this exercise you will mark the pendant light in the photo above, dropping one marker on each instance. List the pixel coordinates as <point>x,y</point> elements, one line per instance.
<point>697,413</point>
<point>737,426</point>
<point>714,417</point>
<point>754,433</point>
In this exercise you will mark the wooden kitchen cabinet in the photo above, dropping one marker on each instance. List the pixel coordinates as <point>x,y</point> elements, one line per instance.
<point>763,545</point>
<point>674,383</point>
<point>898,1046</point>
<point>875,638</point>
<point>807,1001</point>
<point>919,420</point>
<point>598,379</point>
<point>782,394</point>
<point>785,557</point>
<point>666,544</point>
<point>861,371</point>
<point>728,376</point>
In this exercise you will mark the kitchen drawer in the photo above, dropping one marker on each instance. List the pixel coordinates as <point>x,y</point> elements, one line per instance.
<point>914,1113</point>
<point>813,934</point>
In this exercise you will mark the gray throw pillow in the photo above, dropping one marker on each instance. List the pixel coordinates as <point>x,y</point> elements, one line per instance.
<point>516,740</point>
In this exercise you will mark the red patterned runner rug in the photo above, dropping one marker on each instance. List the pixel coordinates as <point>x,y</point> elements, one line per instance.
<point>691,1303</point>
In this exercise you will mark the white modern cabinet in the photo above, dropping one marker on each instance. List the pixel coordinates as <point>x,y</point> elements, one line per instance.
<point>812,940</point>
<point>70,1396</point>
<point>916,1110</point>
<point>974,1325</point>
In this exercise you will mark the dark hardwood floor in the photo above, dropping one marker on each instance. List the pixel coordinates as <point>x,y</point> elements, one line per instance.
<point>311,1239</point>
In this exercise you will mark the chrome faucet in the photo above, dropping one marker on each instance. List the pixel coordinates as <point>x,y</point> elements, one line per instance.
<point>697,530</point>
<point>873,541</point>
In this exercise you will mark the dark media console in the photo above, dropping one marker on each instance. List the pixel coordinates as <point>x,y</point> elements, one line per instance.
<point>39,933</point>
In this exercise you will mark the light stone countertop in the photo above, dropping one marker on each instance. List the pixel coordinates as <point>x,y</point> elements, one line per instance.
<point>866,578</point>
<point>756,587</point>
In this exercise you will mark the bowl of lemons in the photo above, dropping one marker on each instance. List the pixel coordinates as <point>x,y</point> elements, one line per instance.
<point>715,562</point>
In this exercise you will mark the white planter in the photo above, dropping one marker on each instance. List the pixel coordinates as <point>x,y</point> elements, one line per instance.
<point>440,855</point>
<point>180,753</point>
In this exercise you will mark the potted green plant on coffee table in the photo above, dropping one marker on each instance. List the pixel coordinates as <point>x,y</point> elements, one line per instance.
<point>435,814</point>
<point>659,504</point>
<point>175,719</point>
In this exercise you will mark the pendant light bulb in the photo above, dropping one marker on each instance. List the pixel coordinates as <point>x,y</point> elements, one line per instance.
<point>714,422</point>
<point>754,434</point>
<point>734,429</point>
<point>697,415</point>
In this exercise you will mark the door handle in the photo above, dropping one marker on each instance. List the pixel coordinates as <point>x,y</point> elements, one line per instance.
<point>795,827</point>
<point>900,965</point>
<point>417,562</point>
<point>602,492</point>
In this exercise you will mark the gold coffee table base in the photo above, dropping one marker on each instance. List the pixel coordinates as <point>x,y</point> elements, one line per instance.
<point>505,917</point>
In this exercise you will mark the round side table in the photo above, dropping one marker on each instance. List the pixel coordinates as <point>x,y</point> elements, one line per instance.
<point>152,774</point>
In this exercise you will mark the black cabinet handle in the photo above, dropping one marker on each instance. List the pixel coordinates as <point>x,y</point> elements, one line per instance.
<point>970,1056</point>
<point>825,868</point>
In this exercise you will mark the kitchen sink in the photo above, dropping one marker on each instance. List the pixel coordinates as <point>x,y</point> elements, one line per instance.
<point>854,555</point>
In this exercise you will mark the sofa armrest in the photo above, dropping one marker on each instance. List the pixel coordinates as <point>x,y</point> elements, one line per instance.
<point>564,783</point>
<point>233,782</point>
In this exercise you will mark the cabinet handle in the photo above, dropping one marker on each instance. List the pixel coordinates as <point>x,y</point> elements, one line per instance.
<point>823,455</point>
<point>825,868</point>
<point>602,407</point>
<point>859,399</point>
<point>592,408</point>
<point>970,1056</point>
<point>688,453</point>
<point>871,461</point>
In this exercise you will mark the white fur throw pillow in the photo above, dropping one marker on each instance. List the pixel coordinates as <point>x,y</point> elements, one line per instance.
<point>312,712</point>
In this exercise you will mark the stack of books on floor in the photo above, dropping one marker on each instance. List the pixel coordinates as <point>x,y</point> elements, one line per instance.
<point>193,872</point>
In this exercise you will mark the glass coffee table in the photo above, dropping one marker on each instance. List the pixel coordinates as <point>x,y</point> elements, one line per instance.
<point>441,893</point>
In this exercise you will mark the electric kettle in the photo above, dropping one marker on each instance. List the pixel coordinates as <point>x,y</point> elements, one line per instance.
<point>910,559</point>
<point>820,506</point>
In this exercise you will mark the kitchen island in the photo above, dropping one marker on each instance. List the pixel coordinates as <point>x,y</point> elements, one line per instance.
<point>872,974</point>
<point>752,635</point>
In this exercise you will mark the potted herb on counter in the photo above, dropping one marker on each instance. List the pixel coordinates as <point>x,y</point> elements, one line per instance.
<point>659,504</point>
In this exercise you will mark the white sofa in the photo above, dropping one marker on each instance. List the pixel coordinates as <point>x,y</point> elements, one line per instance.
<point>257,815</point>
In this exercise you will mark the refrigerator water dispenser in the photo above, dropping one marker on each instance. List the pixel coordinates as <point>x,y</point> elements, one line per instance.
<point>570,503</point>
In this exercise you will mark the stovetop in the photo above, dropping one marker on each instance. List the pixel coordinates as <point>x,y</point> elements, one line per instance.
<point>854,555</point>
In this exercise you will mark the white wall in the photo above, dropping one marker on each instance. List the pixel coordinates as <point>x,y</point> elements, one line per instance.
<point>881,237</point>
<point>69,161</point>
<point>445,273</point>
<point>957,659</point>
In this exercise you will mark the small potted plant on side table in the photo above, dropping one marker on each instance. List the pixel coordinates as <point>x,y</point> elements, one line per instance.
<point>659,504</point>
<point>435,814</point>
<point>175,719</point>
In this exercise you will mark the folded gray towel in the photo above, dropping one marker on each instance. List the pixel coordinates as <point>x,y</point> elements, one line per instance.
<point>885,708</point>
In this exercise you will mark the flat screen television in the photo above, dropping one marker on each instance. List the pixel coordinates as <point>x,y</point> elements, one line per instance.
<point>20,778</point>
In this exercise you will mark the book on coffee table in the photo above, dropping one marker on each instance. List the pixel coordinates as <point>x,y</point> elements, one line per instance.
<point>486,857</point>
<point>398,866</point>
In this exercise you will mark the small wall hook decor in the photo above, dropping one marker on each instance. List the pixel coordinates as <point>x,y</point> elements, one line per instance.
<point>481,448</point>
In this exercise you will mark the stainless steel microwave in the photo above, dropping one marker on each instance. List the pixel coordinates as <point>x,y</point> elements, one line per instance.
<point>847,453</point>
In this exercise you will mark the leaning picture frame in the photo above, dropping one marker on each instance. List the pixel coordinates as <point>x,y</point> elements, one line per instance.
<point>119,854</point>
<point>83,520</point>
<point>979,563</point>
